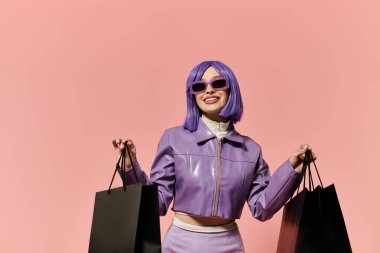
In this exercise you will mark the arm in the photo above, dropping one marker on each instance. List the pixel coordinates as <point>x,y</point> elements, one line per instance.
<point>130,177</point>
<point>269,193</point>
<point>162,173</point>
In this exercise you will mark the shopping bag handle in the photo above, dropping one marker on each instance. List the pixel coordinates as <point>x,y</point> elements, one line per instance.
<point>122,170</point>
<point>306,170</point>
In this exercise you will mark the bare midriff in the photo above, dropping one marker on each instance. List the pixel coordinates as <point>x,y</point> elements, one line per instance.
<point>202,220</point>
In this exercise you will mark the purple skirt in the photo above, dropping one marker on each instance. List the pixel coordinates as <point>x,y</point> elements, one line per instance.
<point>178,240</point>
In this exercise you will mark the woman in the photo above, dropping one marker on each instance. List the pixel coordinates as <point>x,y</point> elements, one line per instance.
<point>211,170</point>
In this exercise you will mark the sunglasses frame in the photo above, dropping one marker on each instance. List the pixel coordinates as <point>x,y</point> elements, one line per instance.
<point>210,82</point>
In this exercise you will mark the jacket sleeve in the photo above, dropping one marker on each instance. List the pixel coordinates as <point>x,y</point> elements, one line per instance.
<point>131,178</point>
<point>269,193</point>
<point>162,173</point>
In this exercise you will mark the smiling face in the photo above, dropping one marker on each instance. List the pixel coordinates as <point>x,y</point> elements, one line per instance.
<point>211,102</point>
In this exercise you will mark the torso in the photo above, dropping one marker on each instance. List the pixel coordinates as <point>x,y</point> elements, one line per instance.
<point>203,163</point>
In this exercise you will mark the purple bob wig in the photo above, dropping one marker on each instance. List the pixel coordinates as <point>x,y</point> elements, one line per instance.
<point>233,109</point>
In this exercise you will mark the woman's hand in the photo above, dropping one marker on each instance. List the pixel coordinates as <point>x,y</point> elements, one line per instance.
<point>298,156</point>
<point>120,148</point>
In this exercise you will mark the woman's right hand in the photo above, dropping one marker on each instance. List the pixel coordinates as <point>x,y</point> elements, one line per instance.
<point>120,148</point>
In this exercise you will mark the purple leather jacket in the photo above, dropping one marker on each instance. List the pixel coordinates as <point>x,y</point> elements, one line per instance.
<point>208,177</point>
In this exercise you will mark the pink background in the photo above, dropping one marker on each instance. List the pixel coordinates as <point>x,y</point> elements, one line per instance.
<point>76,74</point>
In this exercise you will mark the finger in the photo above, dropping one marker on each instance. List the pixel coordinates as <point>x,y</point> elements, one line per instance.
<point>117,151</point>
<point>126,140</point>
<point>129,142</point>
<point>114,143</point>
<point>303,147</point>
<point>302,152</point>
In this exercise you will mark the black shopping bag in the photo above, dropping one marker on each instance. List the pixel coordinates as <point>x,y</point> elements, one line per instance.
<point>126,219</point>
<point>312,221</point>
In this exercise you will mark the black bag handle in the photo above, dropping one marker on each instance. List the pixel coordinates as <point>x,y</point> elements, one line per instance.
<point>133,166</point>
<point>306,170</point>
<point>122,169</point>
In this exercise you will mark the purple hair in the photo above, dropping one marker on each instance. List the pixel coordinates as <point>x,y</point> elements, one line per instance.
<point>233,109</point>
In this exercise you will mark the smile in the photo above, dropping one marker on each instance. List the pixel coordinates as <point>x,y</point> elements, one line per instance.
<point>211,100</point>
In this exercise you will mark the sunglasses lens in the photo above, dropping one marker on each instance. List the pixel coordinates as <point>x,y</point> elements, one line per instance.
<point>219,84</point>
<point>197,87</point>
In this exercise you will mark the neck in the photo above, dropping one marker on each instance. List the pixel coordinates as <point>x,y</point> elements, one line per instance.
<point>218,128</point>
<point>216,118</point>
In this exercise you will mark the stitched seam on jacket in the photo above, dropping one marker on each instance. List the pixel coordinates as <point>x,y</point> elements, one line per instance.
<point>275,197</point>
<point>215,156</point>
<point>194,154</point>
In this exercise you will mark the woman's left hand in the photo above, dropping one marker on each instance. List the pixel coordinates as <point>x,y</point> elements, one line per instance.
<point>298,156</point>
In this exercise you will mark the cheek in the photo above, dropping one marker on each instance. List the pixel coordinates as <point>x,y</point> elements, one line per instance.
<point>225,98</point>
<point>196,97</point>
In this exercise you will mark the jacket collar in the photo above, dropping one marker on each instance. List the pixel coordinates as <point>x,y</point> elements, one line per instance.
<point>203,133</point>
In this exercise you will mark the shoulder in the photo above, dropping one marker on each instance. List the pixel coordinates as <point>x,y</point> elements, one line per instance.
<point>249,142</point>
<point>175,132</point>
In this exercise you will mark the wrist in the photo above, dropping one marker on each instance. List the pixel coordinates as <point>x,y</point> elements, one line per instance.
<point>294,161</point>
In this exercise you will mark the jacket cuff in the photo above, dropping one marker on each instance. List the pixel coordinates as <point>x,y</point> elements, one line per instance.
<point>292,171</point>
<point>129,173</point>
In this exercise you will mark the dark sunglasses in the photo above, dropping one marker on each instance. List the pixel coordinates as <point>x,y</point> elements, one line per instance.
<point>218,83</point>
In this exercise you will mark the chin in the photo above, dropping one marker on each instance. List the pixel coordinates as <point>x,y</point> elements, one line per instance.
<point>212,112</point>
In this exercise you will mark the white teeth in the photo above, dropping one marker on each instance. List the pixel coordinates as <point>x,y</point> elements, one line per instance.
<point>210,99</point>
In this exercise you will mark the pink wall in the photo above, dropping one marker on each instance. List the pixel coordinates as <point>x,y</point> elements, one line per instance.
<point>76,74</point>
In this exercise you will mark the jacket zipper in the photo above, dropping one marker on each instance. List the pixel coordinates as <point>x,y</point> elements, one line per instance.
<point>216,200</point>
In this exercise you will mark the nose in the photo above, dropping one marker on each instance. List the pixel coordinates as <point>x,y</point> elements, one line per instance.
<point>209,89</point>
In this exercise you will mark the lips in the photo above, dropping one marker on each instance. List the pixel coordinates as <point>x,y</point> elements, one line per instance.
<point>211,99</point>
